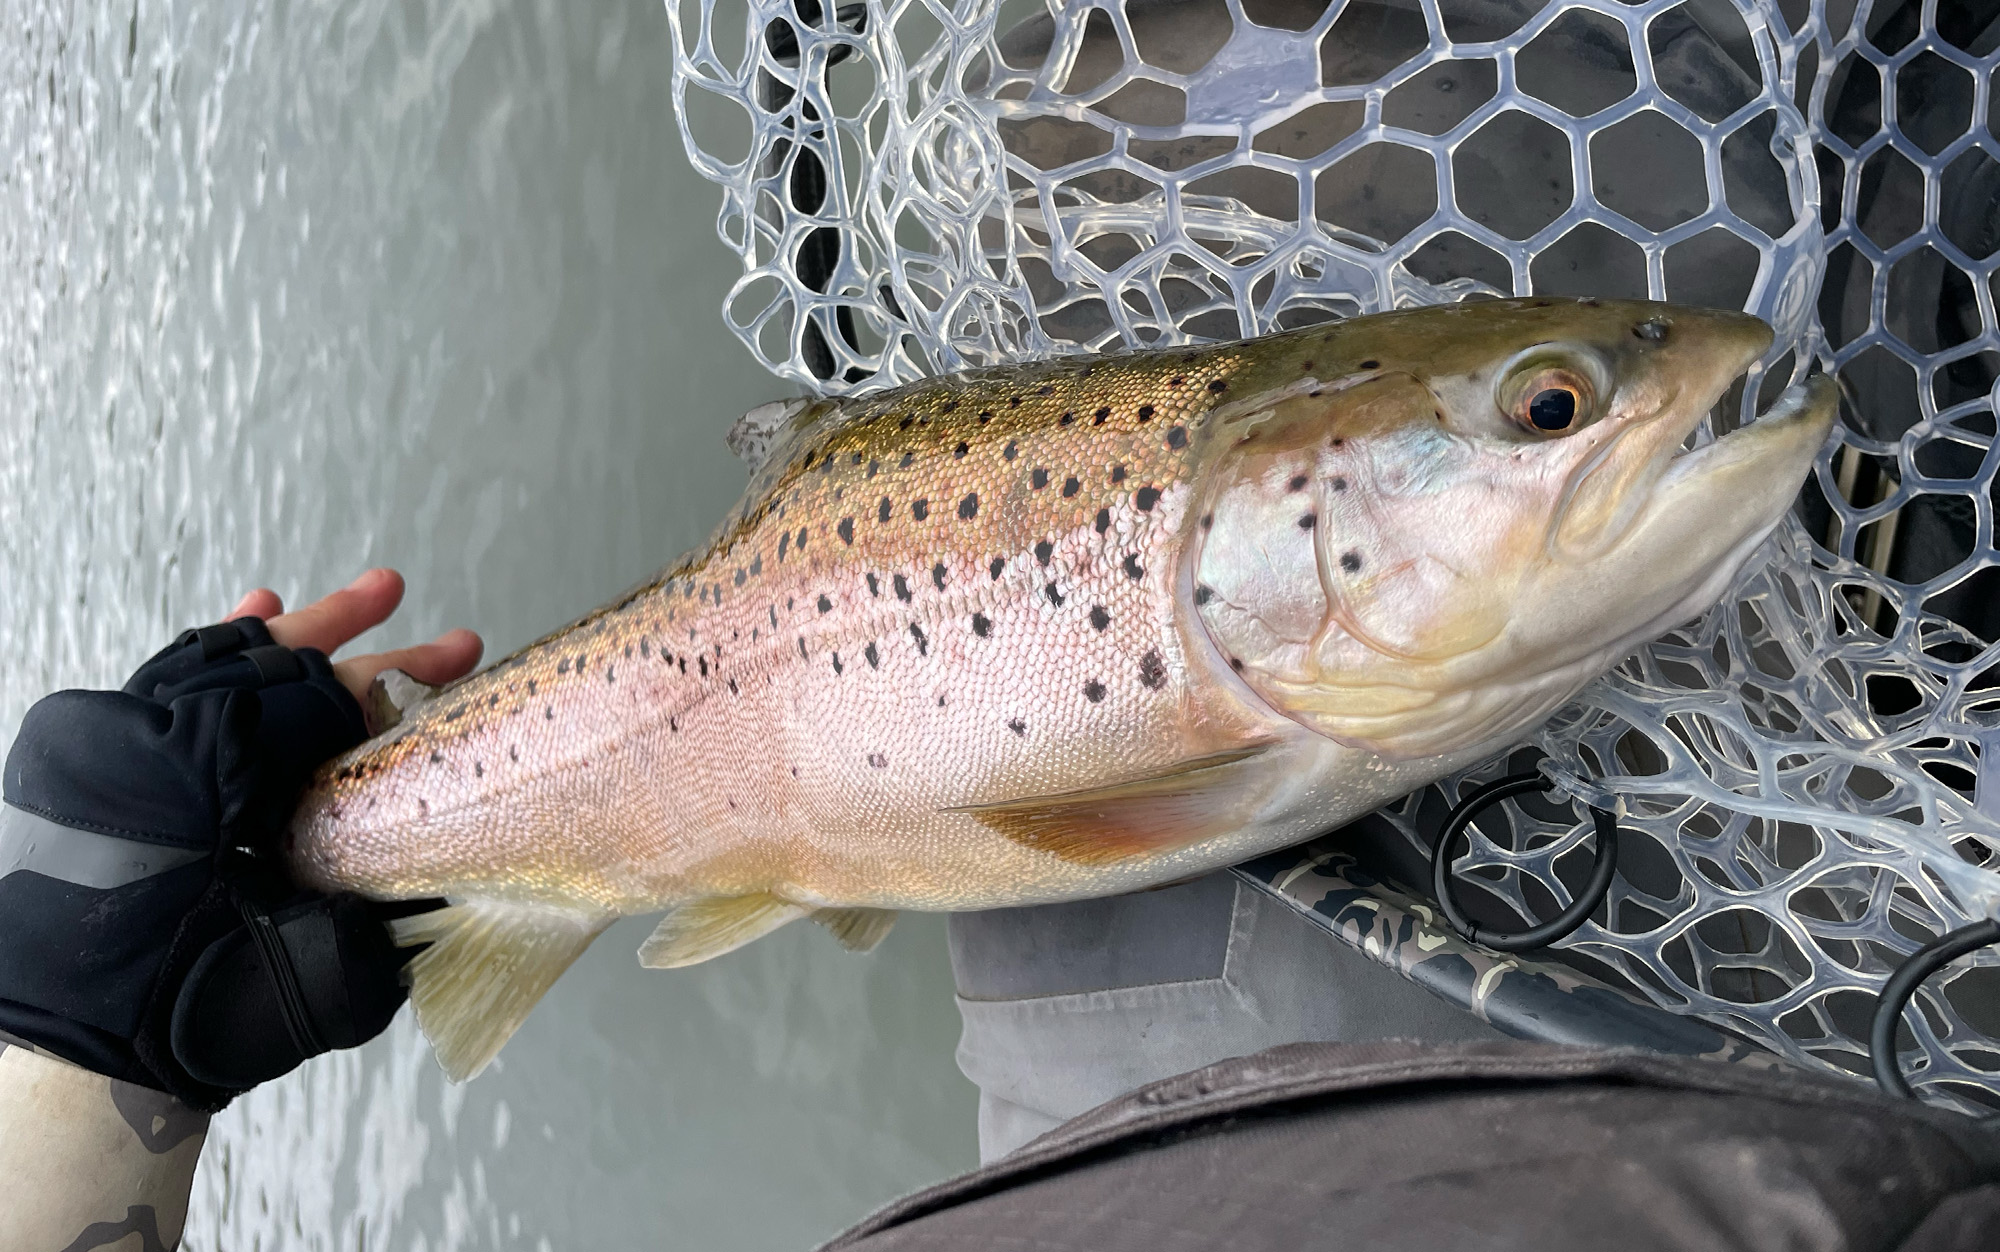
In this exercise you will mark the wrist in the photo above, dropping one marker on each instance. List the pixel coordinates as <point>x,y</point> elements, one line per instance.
<point>80,1151</point>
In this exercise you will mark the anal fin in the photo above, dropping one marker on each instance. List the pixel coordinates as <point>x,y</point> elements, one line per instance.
<point>1198,799</point>
<point>705,929</point>
<point>857,929</point>
<point>488,962</point>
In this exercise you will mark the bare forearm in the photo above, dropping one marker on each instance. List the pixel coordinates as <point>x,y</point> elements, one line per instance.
<point>87,1161</point>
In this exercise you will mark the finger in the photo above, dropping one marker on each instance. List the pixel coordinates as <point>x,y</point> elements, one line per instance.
<point>329,622</point>
<point>448,657</point>
<point>260,604</point>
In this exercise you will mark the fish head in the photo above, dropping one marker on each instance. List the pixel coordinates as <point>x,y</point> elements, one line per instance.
<point>1428,545</point>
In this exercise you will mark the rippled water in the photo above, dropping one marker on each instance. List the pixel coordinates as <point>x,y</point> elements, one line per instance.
<point>291,289</point>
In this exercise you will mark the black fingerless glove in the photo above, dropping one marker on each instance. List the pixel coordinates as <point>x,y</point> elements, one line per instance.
<point>148,930</point>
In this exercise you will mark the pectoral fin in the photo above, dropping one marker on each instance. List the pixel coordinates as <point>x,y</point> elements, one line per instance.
<point>705,929</point>
<point>857,930</point>
<point>1197,800</point>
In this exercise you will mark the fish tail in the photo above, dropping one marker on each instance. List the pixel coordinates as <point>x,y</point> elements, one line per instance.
<point>485,965</point>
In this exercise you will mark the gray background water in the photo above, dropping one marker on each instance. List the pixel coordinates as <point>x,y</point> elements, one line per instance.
<point>291,289</point>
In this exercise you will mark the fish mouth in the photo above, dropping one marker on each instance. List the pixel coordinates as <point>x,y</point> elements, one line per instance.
<point>1801,415</point>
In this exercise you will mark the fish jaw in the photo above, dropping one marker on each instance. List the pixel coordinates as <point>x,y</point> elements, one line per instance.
<point>1419,577</point>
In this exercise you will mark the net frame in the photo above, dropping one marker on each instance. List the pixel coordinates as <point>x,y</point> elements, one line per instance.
<point>1800,770</point>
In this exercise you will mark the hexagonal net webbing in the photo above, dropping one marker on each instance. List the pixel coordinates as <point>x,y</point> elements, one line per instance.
<point>916,187</point>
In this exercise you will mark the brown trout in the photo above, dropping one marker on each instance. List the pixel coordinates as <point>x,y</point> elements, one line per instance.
<point>1041,633</point>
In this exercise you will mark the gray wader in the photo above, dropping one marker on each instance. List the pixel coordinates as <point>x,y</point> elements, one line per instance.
<point>1067,1006</point>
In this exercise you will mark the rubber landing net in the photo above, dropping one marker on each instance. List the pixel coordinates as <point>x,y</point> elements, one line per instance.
<point>915,186</point>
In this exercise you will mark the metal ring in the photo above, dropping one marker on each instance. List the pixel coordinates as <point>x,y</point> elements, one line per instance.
<point>1903,984</point>
<point>1556,927</point>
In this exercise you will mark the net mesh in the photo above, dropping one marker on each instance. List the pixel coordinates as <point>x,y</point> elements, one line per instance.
<point>916,187</point>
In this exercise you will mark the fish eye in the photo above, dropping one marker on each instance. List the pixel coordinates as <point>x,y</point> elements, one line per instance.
<point>1549,399</point>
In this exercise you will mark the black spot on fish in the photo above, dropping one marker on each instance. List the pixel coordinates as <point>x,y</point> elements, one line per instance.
<point>1218,386</point>
<point>1145,498</point>
<point>874,586</point>
<point>1298,483</point>
<point>923,640</point>
<point>846,530</point>
<point>902,588</point>
<point>772,609</point>
<point>1070,487</point>
<point>906,423</point>
<point>985,418</point>
<point>1176,381</point>
<point>646,646</point>
<point>1207,520</point>
<point>562,666</point>
<point>998,566</point>
<point>1103,520</point>
<point>1235,663</point>
<point>1133,569</point>
<point>732,687</point>
<point>920,510</point>
<point>962,448</point>
<point>1202,595</point>
<point>877,760</point>
<point>1097,418</point>
<point>837,667</point>
<point>1093,691</point>
<point>1308,520</point>
<point>968,508</point>
<point>513,753</point>
<point>874,657</point>
<point>857,458</point>
<point>825,605</point>
<point>1350,561</point>
<point>1018,726</point>
<point>702,662</point>
<point>827,464</point>
<point>1177,437</point>
<point>436,756</point>
<point>799,543</point>
<point>739,578</point>
<point>872,467</point>
<point>531,686</point>
<point>683,664</point>
<point>883,510</point>
<point>938,575</point>
<point>1038,479</point>
<point>1371,365</point>
<point>1117,474</point>
<point>982,625</point>
<point>1046,389</point>
<point>905,462</point>
<point>455,714</point>
<point>1065,419</point>
<point>549,713</point>
<point>1152,670</point>
<point>611,673</point>
<point>1010,451</point>
<point>1043,551</point>
<point>1099,618</point>
<point>1340,484</point>
<point>1145,412</point>
<point>1055,596</point>
<point>802,649</point>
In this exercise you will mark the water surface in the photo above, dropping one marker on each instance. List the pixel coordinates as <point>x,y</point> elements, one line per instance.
<point>292,289</point>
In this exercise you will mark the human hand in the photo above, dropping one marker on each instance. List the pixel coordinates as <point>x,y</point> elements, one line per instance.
<point>330,622</point>
<point>148,929</point>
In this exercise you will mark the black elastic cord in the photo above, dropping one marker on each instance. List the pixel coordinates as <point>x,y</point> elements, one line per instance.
<point>1902,986</point>
<point>284,979</point>
<point>1557,927</point>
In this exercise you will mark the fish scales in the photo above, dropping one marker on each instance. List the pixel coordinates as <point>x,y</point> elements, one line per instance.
<point>961,592</point>
<point>1043,633</point>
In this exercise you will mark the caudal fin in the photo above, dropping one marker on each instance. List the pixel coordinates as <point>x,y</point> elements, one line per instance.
<point>488,962</point>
